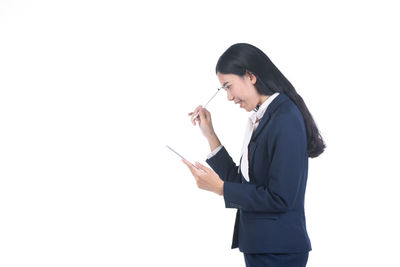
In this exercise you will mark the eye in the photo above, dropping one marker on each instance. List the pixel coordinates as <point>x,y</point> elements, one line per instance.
<point>229,87</point>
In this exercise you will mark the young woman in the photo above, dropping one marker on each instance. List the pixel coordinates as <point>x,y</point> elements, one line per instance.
<point>268,186</point>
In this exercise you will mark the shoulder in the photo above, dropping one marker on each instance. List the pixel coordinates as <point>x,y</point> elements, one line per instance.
<point>287,118</point>
<point>286,111</point>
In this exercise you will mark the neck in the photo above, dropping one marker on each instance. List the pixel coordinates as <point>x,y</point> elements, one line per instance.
<point>262,99</point>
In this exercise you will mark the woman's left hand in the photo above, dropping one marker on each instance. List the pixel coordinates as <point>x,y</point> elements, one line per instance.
<point>206,178</point>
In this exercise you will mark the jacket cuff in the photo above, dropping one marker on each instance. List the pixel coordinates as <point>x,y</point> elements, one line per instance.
<point>215,151</point>
<point>218,160</point>
<point>229,193</point>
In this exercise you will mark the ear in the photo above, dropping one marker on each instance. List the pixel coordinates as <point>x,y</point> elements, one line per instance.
<point>251,77</point>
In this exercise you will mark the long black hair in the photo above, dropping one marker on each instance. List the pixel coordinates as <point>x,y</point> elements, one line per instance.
<point>242,57</point>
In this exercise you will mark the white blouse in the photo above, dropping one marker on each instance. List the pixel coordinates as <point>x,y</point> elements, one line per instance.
<point>255,117</point>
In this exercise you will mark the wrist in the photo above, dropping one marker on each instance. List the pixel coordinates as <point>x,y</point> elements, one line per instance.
<point>211,136</point>
<point>213,141</point>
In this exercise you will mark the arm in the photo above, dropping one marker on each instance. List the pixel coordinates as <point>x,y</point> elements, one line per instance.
<point>214,142</point>
<point>286,174</point>
<point>224,166</point>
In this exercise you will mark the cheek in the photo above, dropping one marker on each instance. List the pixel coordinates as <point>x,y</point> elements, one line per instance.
<point>242,96</point>
<point>239,94</point>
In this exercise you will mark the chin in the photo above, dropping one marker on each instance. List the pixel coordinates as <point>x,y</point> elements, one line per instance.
<point>246,108</point>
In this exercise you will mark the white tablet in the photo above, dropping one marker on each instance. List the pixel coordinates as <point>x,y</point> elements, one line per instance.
<point>180,155</point>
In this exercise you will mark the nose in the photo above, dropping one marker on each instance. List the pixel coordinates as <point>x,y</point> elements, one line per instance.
<point>230,97</point>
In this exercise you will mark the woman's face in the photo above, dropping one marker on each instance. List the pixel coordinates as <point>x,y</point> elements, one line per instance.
<point>240,89</point>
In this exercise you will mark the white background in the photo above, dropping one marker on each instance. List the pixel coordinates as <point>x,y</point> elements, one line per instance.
<point>92,91</point>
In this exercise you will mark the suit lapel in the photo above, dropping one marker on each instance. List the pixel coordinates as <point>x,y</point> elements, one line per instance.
<point>267,115</point>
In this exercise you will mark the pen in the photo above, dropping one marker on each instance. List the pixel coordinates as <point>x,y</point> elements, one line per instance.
<point>207,102</point>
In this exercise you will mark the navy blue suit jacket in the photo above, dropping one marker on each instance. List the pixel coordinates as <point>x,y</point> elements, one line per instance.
<point>270,216</point>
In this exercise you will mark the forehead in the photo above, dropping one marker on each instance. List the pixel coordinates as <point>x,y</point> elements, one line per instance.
<point>223,78</point>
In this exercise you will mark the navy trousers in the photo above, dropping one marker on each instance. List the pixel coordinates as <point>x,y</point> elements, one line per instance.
<point>276,259</point>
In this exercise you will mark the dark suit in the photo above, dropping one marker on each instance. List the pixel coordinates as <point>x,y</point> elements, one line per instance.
<point>270,216</point>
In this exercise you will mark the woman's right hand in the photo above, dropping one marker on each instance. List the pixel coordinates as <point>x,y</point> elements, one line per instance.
<point>204,120</point>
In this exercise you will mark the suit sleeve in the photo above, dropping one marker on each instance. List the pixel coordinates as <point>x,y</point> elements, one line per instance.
<point>287,150</point>
<point>224,166</point>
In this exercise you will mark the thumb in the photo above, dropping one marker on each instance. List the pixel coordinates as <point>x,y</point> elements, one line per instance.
<point>202,114</point>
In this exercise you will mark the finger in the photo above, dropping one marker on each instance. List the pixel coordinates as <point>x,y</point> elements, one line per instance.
<point>202,167</point>
<point>187,163</point>
<point>197,119</point>
<point>202,115</point>
<point>195,112</point>
<point>207,113</point>
<point>195,169</point>
<point>190,165</point>
<point>195,116</point>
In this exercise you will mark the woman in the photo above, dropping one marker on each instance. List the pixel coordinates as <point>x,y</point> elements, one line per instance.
<point>268,186</point>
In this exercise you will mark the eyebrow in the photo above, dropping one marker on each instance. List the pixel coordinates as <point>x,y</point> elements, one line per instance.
<point>224,84</point>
